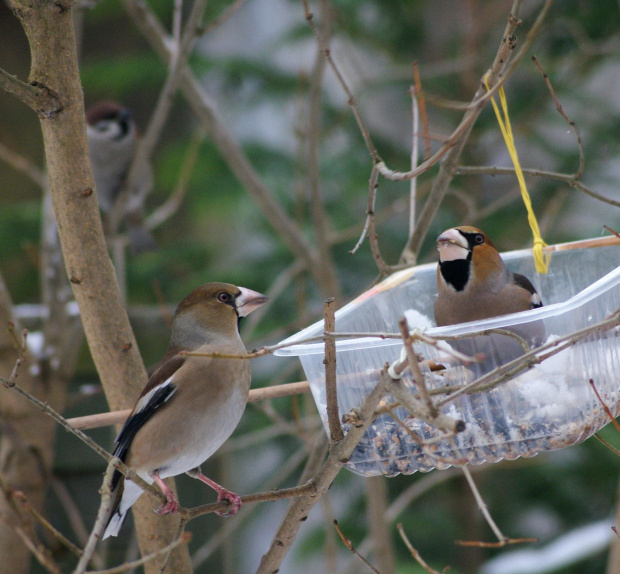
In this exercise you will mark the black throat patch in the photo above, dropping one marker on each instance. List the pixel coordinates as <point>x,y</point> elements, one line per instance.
<point>456,272</point>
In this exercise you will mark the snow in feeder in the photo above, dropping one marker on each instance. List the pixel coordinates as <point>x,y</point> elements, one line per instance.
<point>552,405</point>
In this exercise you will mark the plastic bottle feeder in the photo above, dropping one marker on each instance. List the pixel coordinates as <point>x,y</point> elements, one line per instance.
<point>550,406</point>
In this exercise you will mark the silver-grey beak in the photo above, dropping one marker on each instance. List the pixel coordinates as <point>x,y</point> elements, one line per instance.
<point>249,300</point>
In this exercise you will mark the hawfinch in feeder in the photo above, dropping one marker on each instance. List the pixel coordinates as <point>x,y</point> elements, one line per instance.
<point>191,404</point>
<point>473,284</point>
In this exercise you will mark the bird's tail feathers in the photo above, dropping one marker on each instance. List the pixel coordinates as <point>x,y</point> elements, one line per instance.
<point>126,493</point>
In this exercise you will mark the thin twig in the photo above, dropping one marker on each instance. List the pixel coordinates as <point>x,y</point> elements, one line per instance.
<point>118,417</point>
<point>482,506</point>
<point>23,165</point>
<point>350,546</point>
<point>414,553</point>
<point>172,204</point>
<point>612,231</point>
<point>280,476</point>
<point>566,178</point>
<point>148,24</point>
<point>410,258</point>
<point>605,407</point>
<point>307,489</point>
<point>177,64</point>
<point>535,356</point>
<point>331,392</point>
<point>19,495</point>
<point>185,539</point>
<point>105,509</point>
<point>119,465</point>
<point>336,70</point>
<point>611,447</point>
<point>373,237</point>
<point>75,519</point>
<point>313,136</point>
<point>418,95</point>
<point>41,553</point>
<point>225,15</point>
<point>570,122</point>
<point>414,367</point>
<point>370,209</point>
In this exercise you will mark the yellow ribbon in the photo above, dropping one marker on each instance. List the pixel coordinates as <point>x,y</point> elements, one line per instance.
<point>541,259</point>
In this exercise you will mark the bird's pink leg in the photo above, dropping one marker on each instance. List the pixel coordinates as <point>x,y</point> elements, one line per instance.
<point>234,500</point>
<point>172,503</point>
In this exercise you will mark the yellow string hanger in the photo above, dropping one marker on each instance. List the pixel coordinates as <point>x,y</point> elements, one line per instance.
<point>541,260</point>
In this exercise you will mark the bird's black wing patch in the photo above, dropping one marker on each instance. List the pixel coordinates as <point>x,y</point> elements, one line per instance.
<point>523,281</point>
<point>157,392</point>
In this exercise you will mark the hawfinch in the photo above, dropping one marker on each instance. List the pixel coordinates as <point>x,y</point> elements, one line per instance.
<point>112,142</point>
<point>473,283</point>
<point>191,404</point>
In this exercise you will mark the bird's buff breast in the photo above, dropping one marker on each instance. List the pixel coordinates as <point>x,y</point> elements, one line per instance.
<point>203,421</point>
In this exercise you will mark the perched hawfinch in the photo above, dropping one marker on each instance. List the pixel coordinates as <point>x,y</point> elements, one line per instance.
<point>473,283</point>
<point>191,404</point>
<point>112,141</point>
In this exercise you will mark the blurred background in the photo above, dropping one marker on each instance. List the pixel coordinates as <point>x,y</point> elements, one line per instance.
<point>257,62</point>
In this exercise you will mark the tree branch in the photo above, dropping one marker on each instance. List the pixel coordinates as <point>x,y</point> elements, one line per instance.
<point>41,99</point>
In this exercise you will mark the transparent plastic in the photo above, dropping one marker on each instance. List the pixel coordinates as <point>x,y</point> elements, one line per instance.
<point>550,406</point>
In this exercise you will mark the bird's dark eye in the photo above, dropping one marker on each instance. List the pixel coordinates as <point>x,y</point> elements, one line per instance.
<point>224,297</point>
<point>479,238</point>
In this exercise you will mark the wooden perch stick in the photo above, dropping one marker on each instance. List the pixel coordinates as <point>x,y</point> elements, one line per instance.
<point>585,243</point>
<point>117,417</point>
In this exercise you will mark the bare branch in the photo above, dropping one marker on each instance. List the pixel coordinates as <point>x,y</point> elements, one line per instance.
<point>125,567</point>
<point>307,489</point>
<point>41,99</point>
<point>351,98</point>
<point>119,465</point>
<point>350,546</point>
<point>570,122</point>
<point>119,417</point>
<point>414,553</point>
<point>23,165</point>
<point>569,179</point>
<point>482,506</point>
<point>9,491</point>
<point>331,392</point>
<point>146,146</point>
<point>172,204</point>
<point>105,509</point>
<point>313,133</point>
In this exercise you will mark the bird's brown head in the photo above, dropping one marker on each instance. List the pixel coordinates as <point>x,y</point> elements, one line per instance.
<point>211,313</point>
<point>109,119</point>
<point>465,254</point>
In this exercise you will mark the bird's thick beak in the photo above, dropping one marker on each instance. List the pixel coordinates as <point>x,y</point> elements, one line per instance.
<point>249,300</point>
<point>452,245</point>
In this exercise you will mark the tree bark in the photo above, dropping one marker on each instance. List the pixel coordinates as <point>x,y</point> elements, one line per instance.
<point>26,442</point>
<point>54,70</point>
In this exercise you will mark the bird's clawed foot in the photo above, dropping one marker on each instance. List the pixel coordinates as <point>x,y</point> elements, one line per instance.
<point>171,505</point>
<point>234,503</point>
<point>172,502</point>
<point>223,494</point>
